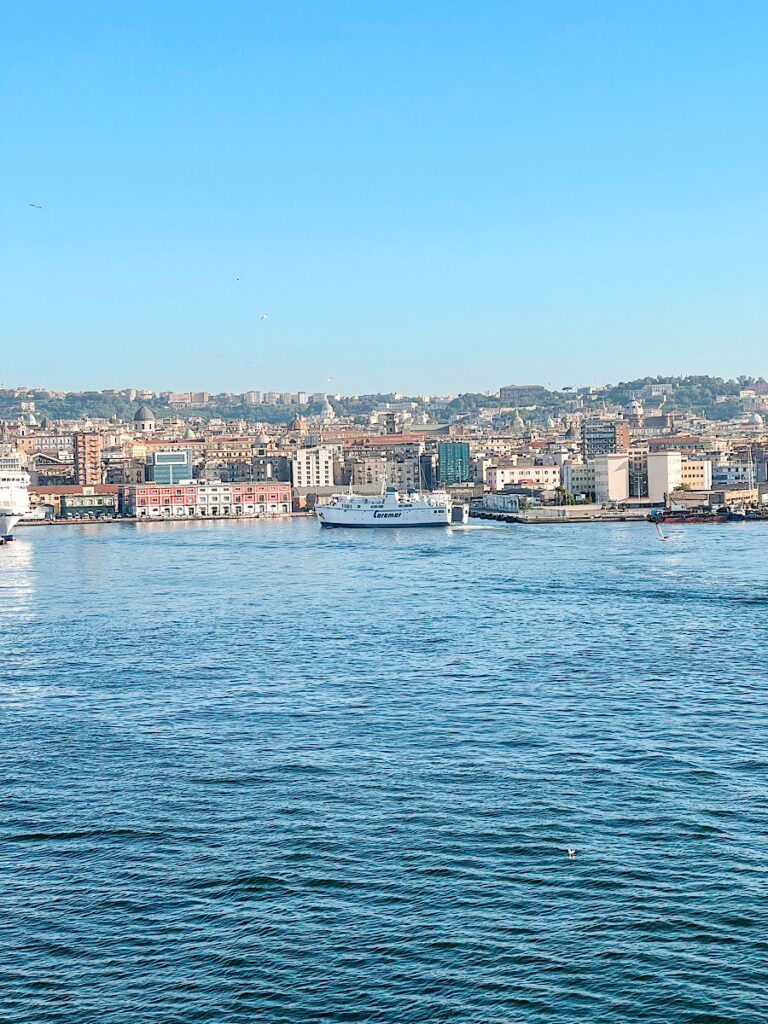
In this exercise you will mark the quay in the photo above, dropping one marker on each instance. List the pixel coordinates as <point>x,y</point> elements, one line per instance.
<point>596,514</point>
<point>111,520</point>
<point>561,514</point>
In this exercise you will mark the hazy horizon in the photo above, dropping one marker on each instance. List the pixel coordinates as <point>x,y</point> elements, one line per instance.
<point>329,388</point>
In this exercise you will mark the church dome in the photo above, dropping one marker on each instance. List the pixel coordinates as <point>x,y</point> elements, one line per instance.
<point>143,415</point>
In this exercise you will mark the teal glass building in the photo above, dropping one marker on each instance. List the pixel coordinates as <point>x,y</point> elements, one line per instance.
<point>171,466</point>
<point>452,463</point>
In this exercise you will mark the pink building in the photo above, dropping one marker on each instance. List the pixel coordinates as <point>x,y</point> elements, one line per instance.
<point>210,498</point>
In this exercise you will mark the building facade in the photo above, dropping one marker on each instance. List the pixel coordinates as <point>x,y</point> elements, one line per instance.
<point>215,498</point>
<point>665,474</point>
<point>313,467</point>
<point>170,467</point>
<point>87,451</point>
<point>499,477</point>
<point>452,463</point>
<point>603,436</point>
<point>611,477</point>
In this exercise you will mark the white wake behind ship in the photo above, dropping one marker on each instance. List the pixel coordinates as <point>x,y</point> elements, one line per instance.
<point>392,508</point>
<point>14,495</point>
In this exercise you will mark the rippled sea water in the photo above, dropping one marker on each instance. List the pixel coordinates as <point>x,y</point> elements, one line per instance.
<point>264,772</point>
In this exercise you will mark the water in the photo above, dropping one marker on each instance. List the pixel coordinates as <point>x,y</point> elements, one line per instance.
<point>264,772</point>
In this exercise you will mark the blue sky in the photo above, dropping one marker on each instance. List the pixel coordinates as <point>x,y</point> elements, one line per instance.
<point>423,196</point>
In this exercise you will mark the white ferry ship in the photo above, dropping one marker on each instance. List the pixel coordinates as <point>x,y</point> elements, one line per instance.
<point>391,508</point>
<point>14,496</point>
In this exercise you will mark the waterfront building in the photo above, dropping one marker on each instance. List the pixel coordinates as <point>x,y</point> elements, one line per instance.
<point>90,502</point>
<point>611,477</point>
<point>452,463</point>
<point>665,474</point>
<point>212,498</point>
<point>87,452</point>
<point>499,477</point>
<point>578,477</point>
<point>62,496</point>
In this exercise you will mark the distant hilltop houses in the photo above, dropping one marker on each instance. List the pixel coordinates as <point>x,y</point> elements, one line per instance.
<point>133,452</point>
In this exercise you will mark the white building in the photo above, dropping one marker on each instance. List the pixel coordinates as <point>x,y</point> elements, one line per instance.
<point>665,474</point>
<point>499,477</point>
<point>579,477</point>
<point>312,467</point>
<point>611,477</point>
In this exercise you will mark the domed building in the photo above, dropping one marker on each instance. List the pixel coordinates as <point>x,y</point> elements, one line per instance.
<point>327,412</point>
<point>189,434</point>
<point>297,426</point>
<point>635,413</point>
<point>144,420</point>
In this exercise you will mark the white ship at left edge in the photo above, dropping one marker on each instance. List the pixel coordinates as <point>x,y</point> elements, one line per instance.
<point>14,493</point>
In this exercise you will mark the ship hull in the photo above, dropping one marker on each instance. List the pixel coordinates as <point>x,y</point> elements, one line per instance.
<point>7,523</point>
<point>380,526</point>
<point>382,519</point>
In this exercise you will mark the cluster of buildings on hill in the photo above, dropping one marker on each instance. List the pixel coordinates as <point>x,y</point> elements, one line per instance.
<point>157,463</point>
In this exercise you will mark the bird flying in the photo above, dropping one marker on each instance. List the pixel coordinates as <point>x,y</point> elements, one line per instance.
<point>263,316</point>
<point>36,206</point>
<point>571,853</point>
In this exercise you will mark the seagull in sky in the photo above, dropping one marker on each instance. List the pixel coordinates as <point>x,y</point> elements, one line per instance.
<point>328,380</point>
<point>36,206</point>
<point>263,316</point>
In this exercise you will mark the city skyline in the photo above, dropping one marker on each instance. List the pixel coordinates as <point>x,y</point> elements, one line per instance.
<point>275,392</point>
<point>413,196</point>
